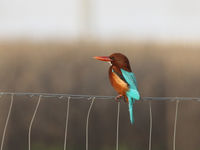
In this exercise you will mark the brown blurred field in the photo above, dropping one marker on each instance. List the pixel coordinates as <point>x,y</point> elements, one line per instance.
<point>161,70</point>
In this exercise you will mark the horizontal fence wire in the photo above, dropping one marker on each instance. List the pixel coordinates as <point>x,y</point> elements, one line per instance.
<point>88,97</point>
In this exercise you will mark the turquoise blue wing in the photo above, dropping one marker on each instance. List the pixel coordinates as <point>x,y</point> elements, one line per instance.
<point>131,80</point>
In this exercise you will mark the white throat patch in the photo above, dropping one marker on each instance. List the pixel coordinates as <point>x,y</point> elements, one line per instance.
<point>110,63</point>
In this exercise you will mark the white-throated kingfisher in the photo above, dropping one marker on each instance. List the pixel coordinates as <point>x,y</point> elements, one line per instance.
<point>122,79</point>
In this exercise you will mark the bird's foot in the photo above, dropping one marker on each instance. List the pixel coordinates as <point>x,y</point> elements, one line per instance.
<point>118,97</point>
<point>125,100</point>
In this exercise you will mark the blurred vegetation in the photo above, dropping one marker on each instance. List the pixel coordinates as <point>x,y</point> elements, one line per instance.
<point>161,70</point>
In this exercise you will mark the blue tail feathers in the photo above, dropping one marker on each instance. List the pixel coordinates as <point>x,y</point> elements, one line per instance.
<point>130,105</point>
<point>132,95</point>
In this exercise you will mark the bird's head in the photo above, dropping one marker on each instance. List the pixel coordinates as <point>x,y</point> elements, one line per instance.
<point>116,59</point>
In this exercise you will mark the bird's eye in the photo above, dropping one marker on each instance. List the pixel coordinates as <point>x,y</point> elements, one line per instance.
<point>112,58</point>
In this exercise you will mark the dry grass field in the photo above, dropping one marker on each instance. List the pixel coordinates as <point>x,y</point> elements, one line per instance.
<point>161,70</point>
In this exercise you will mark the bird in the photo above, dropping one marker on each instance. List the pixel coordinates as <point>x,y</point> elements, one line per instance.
<point>122,79</point>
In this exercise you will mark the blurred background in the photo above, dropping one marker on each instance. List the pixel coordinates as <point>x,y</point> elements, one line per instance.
<point>47,46</point>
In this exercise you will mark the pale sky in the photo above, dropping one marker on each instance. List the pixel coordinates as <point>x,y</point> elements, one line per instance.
<point>142,19</point>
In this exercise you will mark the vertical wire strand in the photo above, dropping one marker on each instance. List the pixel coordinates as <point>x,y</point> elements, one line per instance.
<point>66,124</point>
<point>7,119</point>
<point>31,123</point>
<point>117,136</point>
<point>150,125</point>
<point>175,124</point>
<point>87,121</point>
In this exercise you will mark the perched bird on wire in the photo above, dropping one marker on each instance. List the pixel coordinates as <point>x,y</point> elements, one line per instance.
<point>122,79</point>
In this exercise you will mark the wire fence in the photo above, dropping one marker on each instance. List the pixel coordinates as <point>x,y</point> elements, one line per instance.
<point>91,98</point>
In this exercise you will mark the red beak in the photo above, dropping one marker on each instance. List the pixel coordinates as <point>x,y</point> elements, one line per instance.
<point>102,58</point>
